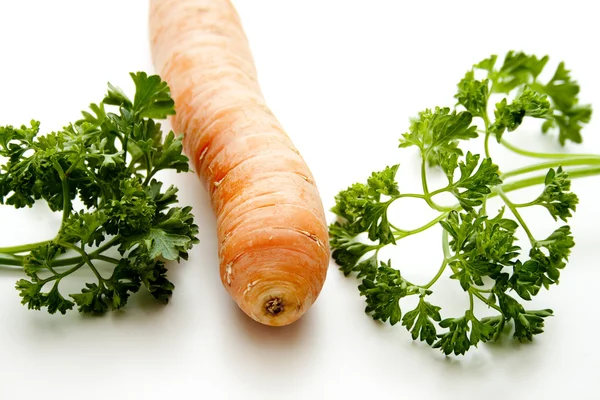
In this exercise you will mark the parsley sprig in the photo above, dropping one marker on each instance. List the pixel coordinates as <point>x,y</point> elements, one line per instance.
<point>100,172</point>
<point>481,250</point>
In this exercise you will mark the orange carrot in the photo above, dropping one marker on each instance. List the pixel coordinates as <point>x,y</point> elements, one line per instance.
<point>273,241</point>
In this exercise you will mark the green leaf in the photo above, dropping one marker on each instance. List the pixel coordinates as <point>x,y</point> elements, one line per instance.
<point>109,294</point>
<point>170,155</point>
<point>510,116</point>
<point>557,197</point>
<point>154,278</point>
<point>456,339</point>
<point>437,132</point>
<point>56,302</point>
<point>473,94</point>
<point>164,244</point>
<point>482,330</point>
<point>347,252</point>
<point>476,183</point>
<point>482,246</point>
<point>419,321</point>
<point>543,268</point>
<point>41,258</point>
<point>383,293</point>
<point>171,236</point>
<point>152,96</point>
<point>362,208</point>
<point>517,69</point>
<point>31,294</point>
<point>84,227</point>
<point>569,116</point>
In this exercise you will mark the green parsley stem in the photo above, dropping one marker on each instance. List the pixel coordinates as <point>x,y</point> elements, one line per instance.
<point>516,213</point>
<point>426,195</point>
<point>403,233</point>
<point>94,270</point>
<point>65,190</point>
<point>101,184</point>
<point>471,305</point>
<point>424,178</point>
<point>106,246</point>
<point>107,259</point>
<point>476,293</point>
<point>10,261</point>
<point>438,275</point>
<point>414,195</point>
<point>486,144</point>
<point>79,158</point>
<point>23,248</point>
<point>536,180</point>
<point>63,274</point>
<point>534,154</point>
<point>14,260</point>
<point>85,258</point>
<point>571,161</point>
<point>445,245</point>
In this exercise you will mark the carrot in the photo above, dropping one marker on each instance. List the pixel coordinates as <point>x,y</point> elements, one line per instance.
<point>271,227</point>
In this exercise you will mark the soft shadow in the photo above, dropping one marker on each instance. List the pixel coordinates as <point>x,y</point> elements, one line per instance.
<point>271,336</point>
<point>9,271</point>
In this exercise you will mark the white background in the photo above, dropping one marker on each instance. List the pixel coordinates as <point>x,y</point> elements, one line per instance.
<point>343,77</point>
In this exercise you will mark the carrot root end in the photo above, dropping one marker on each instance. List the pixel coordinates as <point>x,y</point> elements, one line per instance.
<point>274,306</point>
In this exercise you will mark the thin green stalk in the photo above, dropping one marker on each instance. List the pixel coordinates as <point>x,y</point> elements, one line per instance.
<point>516,213</point>
<point>14,260</point>
<point>534,154</point>
<point>94,270</point>
<point>107,259</point>
<point>105,246</point>
<point>445,245</point>
<point>414,195</point>
<point>471,305</point>
<point>483,299</point>
<point>440,191</point>
<point>573,161</point>
<point>486,144</point>
<point>65,190</point>
<point>23,248</point>
<point>9,261</point>
<point>438,275</point>
<point>85,257</point>
<point>536,180</point>
<point>63,274</point>
<point>403,233</point>
<point>426,195</point>
<point>424,178</point>
<point>79,158</point>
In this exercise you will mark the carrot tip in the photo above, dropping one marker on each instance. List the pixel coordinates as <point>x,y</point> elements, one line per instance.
<point>274,306</point>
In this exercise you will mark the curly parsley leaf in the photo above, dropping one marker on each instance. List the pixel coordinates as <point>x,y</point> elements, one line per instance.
<point>437,133</point>
<point>510,116</point>
<point>383,293</point>
<point>557,197</point>
<point>108,160</point>
<point>420,321</point>
<point>481,250</point>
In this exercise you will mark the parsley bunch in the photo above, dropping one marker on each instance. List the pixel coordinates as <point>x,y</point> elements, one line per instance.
<point>100,173</point>
<point>480,248</point>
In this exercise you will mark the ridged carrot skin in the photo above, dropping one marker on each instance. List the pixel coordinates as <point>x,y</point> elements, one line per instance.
<point>271,227</point>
